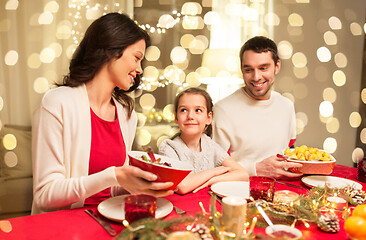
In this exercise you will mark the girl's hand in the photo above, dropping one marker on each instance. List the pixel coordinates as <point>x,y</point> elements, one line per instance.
<point>136,181</point>
<point>216,172</point>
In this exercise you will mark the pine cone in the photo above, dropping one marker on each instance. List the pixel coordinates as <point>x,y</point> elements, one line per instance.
<point>202,231</point>
<point>329,222</point>
<point>358,196</point>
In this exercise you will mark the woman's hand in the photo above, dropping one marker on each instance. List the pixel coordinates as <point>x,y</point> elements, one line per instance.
<point>136,181</point>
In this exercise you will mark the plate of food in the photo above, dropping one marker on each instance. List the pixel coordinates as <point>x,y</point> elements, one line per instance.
<point>231,188</point>
<point>313,160</point>
<point>113,208</point>
<point>331,181</point>
<point>167,169</point>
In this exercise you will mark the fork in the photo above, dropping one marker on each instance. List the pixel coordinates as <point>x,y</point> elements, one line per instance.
<point>179,211</point>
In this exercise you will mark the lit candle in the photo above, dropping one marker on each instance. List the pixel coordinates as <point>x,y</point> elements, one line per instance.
<point>285,196</point>
<point>182,235</point>
<point>234,214</point>
<point>337,203</point>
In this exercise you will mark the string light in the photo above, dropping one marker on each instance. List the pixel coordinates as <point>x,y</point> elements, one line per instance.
<point>80,8</point>
<point>160,29</point>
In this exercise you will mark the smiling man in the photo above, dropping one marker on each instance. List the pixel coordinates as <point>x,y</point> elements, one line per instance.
<point>255,122</point>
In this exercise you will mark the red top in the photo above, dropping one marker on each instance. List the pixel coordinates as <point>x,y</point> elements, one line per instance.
<point>107,149</point>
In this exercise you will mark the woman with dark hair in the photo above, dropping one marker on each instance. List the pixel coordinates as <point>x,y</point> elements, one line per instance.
<point>84,128</point>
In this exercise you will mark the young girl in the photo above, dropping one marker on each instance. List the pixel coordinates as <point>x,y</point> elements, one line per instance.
<point>211,163</point>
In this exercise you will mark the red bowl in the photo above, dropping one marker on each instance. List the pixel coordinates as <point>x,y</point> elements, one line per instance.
<point>314,166</point>
<point>176,173</point>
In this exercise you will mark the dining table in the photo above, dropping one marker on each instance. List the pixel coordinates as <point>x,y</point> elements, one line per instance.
<point>75,224</point>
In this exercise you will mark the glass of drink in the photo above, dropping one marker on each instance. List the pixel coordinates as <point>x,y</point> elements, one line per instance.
<point>262,187</point>
<point>361,170</point>
<point>139,206</point>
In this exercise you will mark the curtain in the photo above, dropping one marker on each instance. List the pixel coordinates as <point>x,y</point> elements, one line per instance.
<point>361,131</point>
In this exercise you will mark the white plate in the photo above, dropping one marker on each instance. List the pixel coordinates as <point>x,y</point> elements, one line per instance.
<point>231,188</point>
<point>333,182</point>
<point>113,209</point>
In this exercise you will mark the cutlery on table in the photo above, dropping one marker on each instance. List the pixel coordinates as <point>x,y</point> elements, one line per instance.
<point>179,211</point>
<point>289,184</point>
<point>264,215</point>
<point>103,223</point>
<point>217,197</point>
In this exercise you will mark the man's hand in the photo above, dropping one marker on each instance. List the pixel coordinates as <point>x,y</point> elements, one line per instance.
<point>276,167</point>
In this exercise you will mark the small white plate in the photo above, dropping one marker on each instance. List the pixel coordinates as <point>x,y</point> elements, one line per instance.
<point>231,188</point>
<point>113,208</point>
<point>279,227</point>
<point>332,182</point>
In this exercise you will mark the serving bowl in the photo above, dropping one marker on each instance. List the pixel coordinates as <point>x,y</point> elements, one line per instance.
<point>313,166</point>
<point>174,173</point>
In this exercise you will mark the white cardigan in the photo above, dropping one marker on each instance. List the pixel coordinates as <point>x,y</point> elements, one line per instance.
<point>61,140</point>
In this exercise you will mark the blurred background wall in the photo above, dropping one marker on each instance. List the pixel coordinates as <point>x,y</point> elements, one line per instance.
<point>196,43</point>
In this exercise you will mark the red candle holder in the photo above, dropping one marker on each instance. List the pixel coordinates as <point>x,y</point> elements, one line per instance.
<point>139,206</point>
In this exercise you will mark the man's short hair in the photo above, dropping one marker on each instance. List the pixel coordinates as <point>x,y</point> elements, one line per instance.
<point>260,44</point>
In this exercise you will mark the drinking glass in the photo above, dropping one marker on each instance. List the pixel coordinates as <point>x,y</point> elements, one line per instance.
<point>262,187</point>
<point>361,170</point>
<point>139,206</point>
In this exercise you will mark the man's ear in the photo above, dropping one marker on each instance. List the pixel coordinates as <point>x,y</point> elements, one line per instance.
<point>278,66</point>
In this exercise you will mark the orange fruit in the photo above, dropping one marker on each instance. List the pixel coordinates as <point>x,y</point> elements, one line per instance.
<point>360,211</point>
<point>355,226</point>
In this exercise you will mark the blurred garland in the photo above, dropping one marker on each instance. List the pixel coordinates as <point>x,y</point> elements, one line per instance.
<point>307,208</point>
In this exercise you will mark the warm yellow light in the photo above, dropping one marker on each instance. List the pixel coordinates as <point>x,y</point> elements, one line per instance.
<point>363,136</point>
<point>147,101</point>
<point>186,40</point>
<point>335,23</point>
<point>323,54</point>
<point>357,155</point>
<point>356,29</point>
<point>326,109</point>
<point>299,60</point>
<point>330,95</point>
<point>355,119</point>
<point>178,54</point>
<point>11,5</point>
<point>295,20</point>
<point>301,73</point>
<point>332,125</point>
<point>45,18</point>
<point>34,61</point>
<point>285,49</point>
<point>40,85</point>
<point>11,58</point>
<point>330,38</point>
<point>47,55</point>
<point>51,6</point>
<point>339,78</point>
<point>340,60</point>
<point>9,142</point>
<point>330,145</point>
